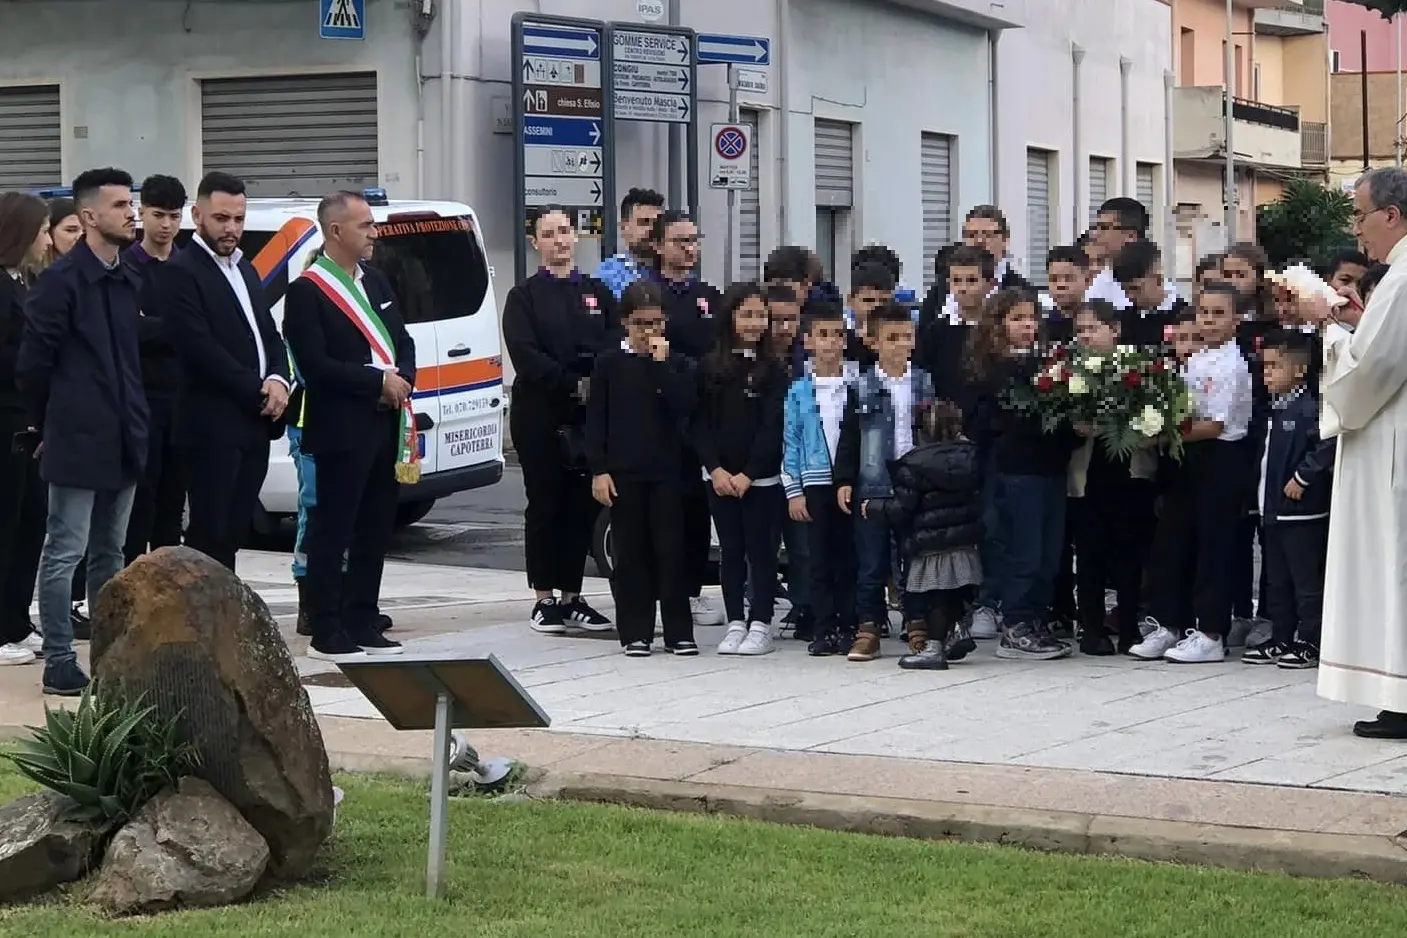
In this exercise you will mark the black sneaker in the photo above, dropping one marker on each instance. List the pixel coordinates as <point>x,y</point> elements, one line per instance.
<point>825,645</point>
<point>1029,641</point>
<point>1268,653</point>
<point>683,649</point>
<point>931,658</point>
<point>82,625</point>
<point>639,650</point>
<point>960,643</point>
<point>384,623</point>
<point>303,627</point>
<point>339,647</point>
<point>802,625</point>
<point>1302,656</point>
<point>1097,643</point>
<point>579,614</point>
<point>64,679</point>
<point>548,617</point>
<point>375,643</point>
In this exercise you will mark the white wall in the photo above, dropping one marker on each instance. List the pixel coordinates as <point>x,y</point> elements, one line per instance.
<point>128,73</point>
<point>1035,90</point>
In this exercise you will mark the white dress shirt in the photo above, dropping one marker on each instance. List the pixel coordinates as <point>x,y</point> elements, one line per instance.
<point>1219,383</point>
<point>1105,287</point>
<point>229,266</point>
<point>901,395</point>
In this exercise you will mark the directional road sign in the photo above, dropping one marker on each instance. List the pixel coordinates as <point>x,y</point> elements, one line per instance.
<point>734,50</point>
<point>566,41</point>
<point>644,106</point>
<point>575,73</point>
<point>647,66</point>
<point>565,102</point>
<point>561,132</point>
<point>562,161</point>
<point>632,45</point>
<point>635,76</point>
<point>561,190</point>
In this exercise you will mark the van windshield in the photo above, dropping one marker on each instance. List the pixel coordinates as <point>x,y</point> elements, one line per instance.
<point>434,264</point>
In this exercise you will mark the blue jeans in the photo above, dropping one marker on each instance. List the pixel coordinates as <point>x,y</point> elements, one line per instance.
<point>79,520</point>
<point>992,551</point>
<point>307,496</point>
<point>1031,525</point>
<point>874,552</point>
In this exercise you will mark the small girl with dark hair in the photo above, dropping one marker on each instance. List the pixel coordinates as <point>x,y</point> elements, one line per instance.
<point>937,507</point>
<point>737,433</point>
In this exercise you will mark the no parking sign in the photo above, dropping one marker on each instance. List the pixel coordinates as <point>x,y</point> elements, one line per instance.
<point>730,158</point>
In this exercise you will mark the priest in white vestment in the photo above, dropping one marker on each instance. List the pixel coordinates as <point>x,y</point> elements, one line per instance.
<point>1364,655</point>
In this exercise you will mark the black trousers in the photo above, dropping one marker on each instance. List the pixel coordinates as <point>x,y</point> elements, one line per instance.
<point>354,517</point>
<point>647,528</point>
<point>697,532</point>
<point>830,537</point>
<point>1243,597</point>
<point>561,512</point>
<point>15,470</point>
<point>21,579</point>
<point>159,504</point>
<point>944,609</point>
<point>1194,546</point>
<point>1065,604</point>
<point>747,548</point>
<point>1113,533</point>
<point>224,494</point>
<point>1293,554</point>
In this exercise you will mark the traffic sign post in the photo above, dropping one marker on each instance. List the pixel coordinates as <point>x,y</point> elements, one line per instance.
<point>654,79</point>
<point>563,146</point>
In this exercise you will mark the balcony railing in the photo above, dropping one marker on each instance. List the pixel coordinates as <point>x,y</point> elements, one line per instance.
<point>1314,143</point>
<point>1253,112</point>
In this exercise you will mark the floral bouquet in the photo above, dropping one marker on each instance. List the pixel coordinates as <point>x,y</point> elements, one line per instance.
<point>1047,396</point>
<point>1131,397</point>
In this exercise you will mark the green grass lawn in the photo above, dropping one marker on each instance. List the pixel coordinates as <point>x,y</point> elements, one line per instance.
<point>542,870</point>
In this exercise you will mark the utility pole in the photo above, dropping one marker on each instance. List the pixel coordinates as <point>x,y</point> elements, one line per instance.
<point>673,150</point>
<point>1228,122</point>
<point>1397,136</point>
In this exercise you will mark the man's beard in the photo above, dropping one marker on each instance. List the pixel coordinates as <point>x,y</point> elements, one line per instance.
<point>214,244</point>
<point>119,238</point>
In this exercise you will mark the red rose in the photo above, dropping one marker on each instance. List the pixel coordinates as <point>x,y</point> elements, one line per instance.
<point>1044,383</point>
<point>1132,379</point>
<point>1058,353</point>
<point>1157,365</point>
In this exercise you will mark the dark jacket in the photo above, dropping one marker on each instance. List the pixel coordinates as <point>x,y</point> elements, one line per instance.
<point>79,369</point>
<point>342,391</point>
<point>553,329</point>
<point>937,501</point>
<point>737,423</point>
<point>931,312</point>
<point>222,391</point>
<point>161,369</point>
<point>1148,327</point>
<point>12,295</point>
<point>867,427</point>
<point>1293,450</point>
<point>638,415</point>
<point>689,308</point>
<point>1020,445</point>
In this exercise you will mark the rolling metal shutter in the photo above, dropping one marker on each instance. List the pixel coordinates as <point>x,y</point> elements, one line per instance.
<point>1143,184</point>
<point>1037,213</point>
<point>31,137</point>
<point>302,135</point>
<point>750,210</point>
<point>936,184</point>
<point>1098,184</point>
<point>835,164</point>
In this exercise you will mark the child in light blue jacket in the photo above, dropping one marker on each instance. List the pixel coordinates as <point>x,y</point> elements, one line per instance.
<point>815,403</point>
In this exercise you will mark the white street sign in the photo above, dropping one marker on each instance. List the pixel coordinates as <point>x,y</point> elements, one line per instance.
<point>654,48</point>
<point>730,156</point>
<point>651,11</point>
<point>752,81</point>
<point>572,73</point>
<point>638,76</point>
<point>562,161</point>
<point>547,190</point>
<point>643,106</point>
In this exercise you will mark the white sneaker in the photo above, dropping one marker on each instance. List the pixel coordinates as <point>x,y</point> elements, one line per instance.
<point>34,642</point>
<point>1156,642</point>
<point>15,654</point>
<point>986,623</point>
<point>733,641</point>
<point>1196,648</point>
<point>704,612</point>
<point>758,641</point>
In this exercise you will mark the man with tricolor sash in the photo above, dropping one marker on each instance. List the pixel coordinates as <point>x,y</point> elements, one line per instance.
<point>356,366</point>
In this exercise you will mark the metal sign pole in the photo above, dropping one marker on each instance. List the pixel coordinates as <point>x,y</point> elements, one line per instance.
<point>439,799</point>
<point>730,244</point>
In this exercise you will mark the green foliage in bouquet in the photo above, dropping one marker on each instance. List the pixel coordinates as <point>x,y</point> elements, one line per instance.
<point>1132,398</point>
<point>111,755</point>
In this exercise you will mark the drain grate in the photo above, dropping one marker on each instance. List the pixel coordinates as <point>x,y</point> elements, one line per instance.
<point>326,679</point>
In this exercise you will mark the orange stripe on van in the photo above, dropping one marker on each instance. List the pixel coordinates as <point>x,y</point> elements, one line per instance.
<point>457,375</point>
<point>281,246</point>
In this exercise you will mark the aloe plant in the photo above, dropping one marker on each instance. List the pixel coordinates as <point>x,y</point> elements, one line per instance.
<point>110,755</point>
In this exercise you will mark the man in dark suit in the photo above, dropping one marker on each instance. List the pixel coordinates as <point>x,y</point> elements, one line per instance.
<point>234,371</point>
<point>79,369</point>
<point>356,365</point>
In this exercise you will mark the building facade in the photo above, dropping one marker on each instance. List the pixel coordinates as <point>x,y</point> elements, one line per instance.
<point>1348,22</point>
<point>879,121</point>
<point>1368,106</point>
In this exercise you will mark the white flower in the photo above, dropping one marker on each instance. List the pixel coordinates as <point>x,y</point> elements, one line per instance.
<point>1078,385</point>
<point>1094,363</point>
<point>1150,421</point>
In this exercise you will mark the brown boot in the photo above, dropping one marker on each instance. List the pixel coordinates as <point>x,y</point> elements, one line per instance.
<point>918,637</point>
<point>866,647</point>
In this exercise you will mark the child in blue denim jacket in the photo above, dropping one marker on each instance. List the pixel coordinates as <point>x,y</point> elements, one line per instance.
<point>883,408</point>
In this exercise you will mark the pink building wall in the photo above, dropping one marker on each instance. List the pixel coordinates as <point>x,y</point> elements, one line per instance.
<point>1346,22</point>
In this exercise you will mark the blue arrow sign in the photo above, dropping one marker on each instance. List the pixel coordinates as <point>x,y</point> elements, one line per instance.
<point>561,132</point>
<point>733,50</point>
<point>561,41</point>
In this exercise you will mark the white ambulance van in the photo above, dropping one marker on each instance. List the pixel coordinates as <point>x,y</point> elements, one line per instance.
<point>433,254</point>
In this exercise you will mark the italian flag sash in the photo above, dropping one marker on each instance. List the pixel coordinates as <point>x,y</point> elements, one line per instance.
<point>337,285</point>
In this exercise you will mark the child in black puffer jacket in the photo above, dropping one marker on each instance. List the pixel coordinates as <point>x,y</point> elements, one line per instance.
<point>937,504</point>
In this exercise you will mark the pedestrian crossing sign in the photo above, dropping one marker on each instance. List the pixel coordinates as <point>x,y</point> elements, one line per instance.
<point>341,19</point>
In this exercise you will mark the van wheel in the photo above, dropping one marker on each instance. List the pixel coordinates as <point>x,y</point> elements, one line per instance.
<point>603,545</point>
<point>408,513</point>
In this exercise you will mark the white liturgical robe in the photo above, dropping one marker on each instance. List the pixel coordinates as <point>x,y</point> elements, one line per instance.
<point>1363,649</point>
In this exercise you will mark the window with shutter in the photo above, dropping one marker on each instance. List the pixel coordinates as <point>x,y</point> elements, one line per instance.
<point>936,183</point>
<point>1038,177</point>
<point>31,149</point>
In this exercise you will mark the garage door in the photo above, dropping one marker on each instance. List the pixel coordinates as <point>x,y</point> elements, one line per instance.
<point>31,154</point>
<point>1098,184</point>
<point>1037,212</point>
<point>936,182</point>
<point>1143,182</point>
<point>300,135</point>
<point>750,211</point>
<point>835,164</point>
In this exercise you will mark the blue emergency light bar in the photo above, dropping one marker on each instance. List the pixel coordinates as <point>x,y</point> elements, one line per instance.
<point>62,192</point>
<point>376,197</point>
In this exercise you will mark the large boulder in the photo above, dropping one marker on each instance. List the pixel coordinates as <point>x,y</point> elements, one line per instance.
<point>187,848</point>
<point>187,632</point>
<point>39,849</point>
